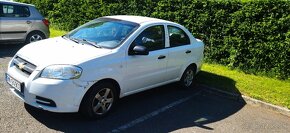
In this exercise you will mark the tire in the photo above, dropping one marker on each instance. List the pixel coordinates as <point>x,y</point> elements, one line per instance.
<point>188,78</point>
<point>34,36</point>
<point>99,100</point>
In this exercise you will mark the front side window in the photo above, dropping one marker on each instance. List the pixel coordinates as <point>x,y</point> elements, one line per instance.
<point>177,37</point>
<point>153,38</point>
<point>107,33</point>
<point>14,11</point>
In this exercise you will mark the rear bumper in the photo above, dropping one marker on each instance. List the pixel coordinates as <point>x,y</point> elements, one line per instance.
<point>47,33</point>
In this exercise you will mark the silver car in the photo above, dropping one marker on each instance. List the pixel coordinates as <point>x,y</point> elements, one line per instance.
<point>21,22</point>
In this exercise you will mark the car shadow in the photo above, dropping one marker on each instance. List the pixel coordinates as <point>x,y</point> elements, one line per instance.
<point>9,50</point>
<point>201,109</point>
<point>217,81</point>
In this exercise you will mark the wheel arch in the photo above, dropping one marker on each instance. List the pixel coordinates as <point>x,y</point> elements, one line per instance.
<point>187,66</point>
<point>114,82</point>
<point>35,31</point>
<point>194,66</point>
<point>110,80</point>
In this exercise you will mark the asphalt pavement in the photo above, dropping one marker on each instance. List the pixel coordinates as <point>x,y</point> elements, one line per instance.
<point>164,109</point>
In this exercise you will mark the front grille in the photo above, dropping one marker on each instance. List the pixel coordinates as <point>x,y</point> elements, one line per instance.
<point>23,65</point>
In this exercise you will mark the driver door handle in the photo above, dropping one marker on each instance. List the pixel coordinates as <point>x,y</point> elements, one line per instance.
<point>161,57</point>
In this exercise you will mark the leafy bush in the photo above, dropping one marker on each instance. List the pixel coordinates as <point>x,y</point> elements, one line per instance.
<point>253,36</point>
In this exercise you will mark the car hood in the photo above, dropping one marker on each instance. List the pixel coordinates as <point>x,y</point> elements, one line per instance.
<point>59,51</point>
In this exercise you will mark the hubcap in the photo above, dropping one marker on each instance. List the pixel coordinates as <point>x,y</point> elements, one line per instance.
<point>189,75</point>
<point>103,101</point>
<point>35,38</point>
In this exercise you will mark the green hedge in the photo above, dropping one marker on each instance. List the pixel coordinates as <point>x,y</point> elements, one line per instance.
<point>253,36</point>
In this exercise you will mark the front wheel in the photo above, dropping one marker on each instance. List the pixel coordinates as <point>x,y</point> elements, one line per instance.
<point>188,78</point>
<point>99,101</point>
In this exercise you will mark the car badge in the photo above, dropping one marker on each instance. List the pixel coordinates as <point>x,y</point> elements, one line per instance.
<point>21,65</point>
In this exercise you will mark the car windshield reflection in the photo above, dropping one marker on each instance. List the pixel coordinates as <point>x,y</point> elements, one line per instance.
<point>106,33</point>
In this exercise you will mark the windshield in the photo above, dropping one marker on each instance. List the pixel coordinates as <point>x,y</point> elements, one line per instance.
<point>104,32</point>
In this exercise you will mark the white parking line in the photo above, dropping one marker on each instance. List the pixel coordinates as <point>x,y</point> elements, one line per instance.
<point>152,114</point>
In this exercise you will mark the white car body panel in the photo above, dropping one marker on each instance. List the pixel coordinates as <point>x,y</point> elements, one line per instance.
<point>145,70</point>
<point>133,73</point>
<point>38,52</point>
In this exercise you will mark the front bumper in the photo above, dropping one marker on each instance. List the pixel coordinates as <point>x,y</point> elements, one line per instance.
<point>42,93</point>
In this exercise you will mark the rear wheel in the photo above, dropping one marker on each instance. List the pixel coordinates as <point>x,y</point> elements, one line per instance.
<point>99,101</point>
<point>188,78</point>
<point>34,36</point>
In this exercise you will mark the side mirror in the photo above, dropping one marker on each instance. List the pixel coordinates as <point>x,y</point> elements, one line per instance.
<point>139,50</point>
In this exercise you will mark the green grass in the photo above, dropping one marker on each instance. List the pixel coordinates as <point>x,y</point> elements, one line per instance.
<point>263,88</point>
<point>55,32</point>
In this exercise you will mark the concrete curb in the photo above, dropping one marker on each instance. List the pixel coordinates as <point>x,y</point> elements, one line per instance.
<point>248,100</point>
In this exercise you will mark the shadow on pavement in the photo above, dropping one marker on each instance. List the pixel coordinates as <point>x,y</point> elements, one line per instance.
<point>224,83</point>
<point>9,50</point>
<point>201,109</point>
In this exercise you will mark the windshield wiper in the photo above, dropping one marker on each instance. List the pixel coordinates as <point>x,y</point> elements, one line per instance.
<point>75,40</point>
<point>72,39</point>
<point>92,43</point>
<point>84,40</point>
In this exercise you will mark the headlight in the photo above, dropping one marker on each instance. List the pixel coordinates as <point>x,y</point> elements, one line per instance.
<point>61,72</point>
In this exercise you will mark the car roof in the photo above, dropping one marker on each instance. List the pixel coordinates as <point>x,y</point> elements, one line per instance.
<point>136,19</point>
<point>14,3</point>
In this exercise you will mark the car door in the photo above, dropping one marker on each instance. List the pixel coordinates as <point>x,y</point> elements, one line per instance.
<point>145,71</point>
<point>14,22</point>
<point>180,51</point>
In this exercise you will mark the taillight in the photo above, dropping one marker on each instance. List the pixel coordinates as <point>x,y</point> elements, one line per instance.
<point>46,22</point>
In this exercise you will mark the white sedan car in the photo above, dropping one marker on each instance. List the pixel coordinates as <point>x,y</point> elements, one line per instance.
<point>108,58</point>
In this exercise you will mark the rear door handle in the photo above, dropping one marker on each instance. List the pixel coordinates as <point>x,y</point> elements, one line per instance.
<point>161,57</point>
<point>28,22</point>
<point>188,51</point>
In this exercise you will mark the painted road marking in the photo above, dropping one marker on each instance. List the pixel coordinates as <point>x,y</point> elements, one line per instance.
<point>152,114</point>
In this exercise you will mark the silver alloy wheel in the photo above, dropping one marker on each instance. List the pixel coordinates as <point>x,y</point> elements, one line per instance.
<point>103,101</point>
<point>189,75</point>
<point>35,38</point>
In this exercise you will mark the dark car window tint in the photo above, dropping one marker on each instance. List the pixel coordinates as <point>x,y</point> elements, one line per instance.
<point>153,38</point>
<point>14,11</point>
<point>177,37</point>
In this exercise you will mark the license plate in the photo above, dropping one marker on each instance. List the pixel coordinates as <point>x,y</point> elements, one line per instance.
<point>14,83</point>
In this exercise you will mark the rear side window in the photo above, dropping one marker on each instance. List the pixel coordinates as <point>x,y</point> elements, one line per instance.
<point>14,11</point>
<point>153,38</point>
<point>177,37</point>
